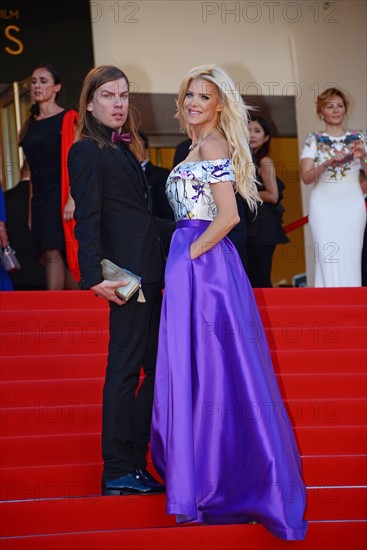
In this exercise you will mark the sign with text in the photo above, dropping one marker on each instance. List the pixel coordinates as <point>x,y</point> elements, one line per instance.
<point>38,32</point>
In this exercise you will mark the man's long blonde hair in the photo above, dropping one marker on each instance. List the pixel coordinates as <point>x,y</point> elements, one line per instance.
<point>88,127</point>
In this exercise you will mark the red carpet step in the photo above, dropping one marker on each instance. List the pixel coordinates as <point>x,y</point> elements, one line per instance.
<point>53,349</point>
<point>351,535</point>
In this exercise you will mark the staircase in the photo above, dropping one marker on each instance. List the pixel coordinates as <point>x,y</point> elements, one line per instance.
<point>53,349</point>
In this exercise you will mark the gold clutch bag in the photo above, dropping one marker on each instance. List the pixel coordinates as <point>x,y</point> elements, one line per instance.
<point>112,272</point>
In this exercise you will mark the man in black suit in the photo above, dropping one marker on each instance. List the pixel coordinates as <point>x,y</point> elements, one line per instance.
<point>157,178</point>
<point>114,221</point>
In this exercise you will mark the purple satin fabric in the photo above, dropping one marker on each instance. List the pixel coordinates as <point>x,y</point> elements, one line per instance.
<point>221,438</point>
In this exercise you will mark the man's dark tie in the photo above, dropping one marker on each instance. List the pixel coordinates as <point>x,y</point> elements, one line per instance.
<point>125,138</point>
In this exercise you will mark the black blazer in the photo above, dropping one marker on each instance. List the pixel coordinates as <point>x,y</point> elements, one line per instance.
<point>113,212</point>
<point>157,178</point>
<point>161,208</point>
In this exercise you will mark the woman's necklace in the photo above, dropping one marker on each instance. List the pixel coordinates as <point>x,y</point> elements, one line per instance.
<point>193,145</point>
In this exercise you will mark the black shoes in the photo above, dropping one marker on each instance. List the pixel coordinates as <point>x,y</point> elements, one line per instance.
<point>138,482</point>
<point>147,479</point>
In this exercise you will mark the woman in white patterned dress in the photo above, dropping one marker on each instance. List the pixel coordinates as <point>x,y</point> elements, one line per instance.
<point>332,160</point>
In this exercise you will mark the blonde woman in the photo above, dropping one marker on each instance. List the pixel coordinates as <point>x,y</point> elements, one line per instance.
<point>224,456</point>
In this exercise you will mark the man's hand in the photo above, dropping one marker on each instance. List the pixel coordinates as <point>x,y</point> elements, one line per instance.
<point>106,290</point>
<point>4,241</point>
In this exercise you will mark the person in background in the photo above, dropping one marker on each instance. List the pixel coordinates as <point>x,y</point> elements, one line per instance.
<point>223,458</point>
<point>18,206</point>
<point>157,178</point>
<point>5,280</point>
<point>265,229</point>
<point>114,221</point>
<point>331,161</point>
<point>43,138</point>
<point>181,151</point>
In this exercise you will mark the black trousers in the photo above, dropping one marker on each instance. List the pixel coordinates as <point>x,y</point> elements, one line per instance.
<point>126,411</point>
<point>259,262</point>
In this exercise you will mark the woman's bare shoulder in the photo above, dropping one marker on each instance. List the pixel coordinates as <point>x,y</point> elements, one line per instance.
<point>215,148</point>
<point>266,161</point>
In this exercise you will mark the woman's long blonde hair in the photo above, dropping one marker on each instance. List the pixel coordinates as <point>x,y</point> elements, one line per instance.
<point>88,126</point>
<point>232,122</point>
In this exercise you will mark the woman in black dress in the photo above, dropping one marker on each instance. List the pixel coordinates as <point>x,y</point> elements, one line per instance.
<point>40,138</point>
<point>265,229</point>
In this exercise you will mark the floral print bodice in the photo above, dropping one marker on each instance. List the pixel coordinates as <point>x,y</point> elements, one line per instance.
<point>188,188</point>
<point>320,147</point>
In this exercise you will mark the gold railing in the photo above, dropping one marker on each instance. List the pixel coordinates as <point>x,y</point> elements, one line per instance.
<point>14,109</point>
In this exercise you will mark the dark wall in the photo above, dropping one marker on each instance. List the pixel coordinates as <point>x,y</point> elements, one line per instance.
<point>39,31</point>
<point>31,276</point>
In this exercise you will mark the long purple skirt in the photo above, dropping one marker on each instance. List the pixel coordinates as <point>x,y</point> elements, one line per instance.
<point>221,438</point>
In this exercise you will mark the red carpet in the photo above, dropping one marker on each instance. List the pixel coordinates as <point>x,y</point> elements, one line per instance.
<point>53,349</point>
